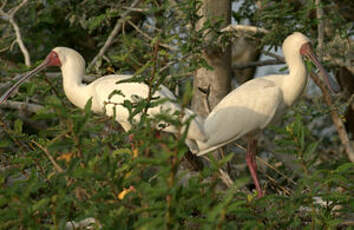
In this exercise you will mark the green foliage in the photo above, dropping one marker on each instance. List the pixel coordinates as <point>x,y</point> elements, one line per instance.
<point>144,183</point>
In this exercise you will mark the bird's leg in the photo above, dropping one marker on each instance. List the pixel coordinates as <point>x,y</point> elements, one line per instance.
<point>251,162</point>
<point>131,140</point>
<point>158,134</point>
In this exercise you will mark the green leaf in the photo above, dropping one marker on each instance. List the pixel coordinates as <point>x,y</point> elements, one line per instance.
<point>18,126</point>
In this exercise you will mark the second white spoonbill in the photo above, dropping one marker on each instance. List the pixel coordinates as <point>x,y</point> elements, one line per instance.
<point>259,102</point>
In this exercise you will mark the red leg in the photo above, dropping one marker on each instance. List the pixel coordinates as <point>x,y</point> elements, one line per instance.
<point>158,134</point>
<point>251,162</point>
<point>131,140</point>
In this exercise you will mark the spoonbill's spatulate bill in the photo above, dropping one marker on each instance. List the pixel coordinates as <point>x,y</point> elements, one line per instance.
<point>72,66</point>
<point>259,102</point>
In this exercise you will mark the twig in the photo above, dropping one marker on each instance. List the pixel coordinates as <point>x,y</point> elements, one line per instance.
<point>225,177</point>
<point>86,78</point>
<point>267,164</point>
<point>18,141</point>
<point>21,106</point>
<point>114,32</point>
<point>135,9</point>
<point>320,28</point>
<point>181,59</point>
<point>56,166</point>
<point>150,38</point>
<point>10,17</point>
<point>273,55</point>
<point>335,117</point>
<point>257,63</point>
<point>275,169</point>
<point>244,28</point>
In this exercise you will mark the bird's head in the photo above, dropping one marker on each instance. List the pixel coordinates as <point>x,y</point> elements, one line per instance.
<point>295,41</point>
<point>299,43</point>
<point>62,57</point>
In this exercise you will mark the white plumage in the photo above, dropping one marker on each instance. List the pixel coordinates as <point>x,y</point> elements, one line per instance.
<point>72,66</point>
<point>259,102</point>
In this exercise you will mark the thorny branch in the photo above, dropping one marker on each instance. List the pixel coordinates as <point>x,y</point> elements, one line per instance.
<point>10,17</point>
<point>114,32</point>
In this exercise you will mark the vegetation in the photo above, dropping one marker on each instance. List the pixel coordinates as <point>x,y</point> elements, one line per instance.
<point>60,164</point>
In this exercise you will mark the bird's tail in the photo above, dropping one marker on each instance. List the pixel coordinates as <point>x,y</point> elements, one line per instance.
<point>196,126</point>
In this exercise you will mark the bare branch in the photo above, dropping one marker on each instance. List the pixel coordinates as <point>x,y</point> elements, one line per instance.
<point>320,28</point>
<point>335,117</point>
<point>244,28</point>
<point>114,32</point>
<point>257,63</point>
<point>14,10</point>
<point>21,106</point>
<point>225,177</point>
<point>19,41</point>
<point>3,5</point>
<point>273,55</point>
<point>135,9</point>
<point>148,37</point>
<point>10,17</point>
<point>55,164</point>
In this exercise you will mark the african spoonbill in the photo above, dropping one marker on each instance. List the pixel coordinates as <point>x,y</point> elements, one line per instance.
<point>72,66</point>
<point>259,102</point>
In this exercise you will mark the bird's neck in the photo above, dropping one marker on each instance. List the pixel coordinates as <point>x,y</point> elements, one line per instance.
<point>77,92</point>
<point>294,83</point>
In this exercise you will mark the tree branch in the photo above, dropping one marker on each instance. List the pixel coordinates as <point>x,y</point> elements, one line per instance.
<point>114,32</point>
<point>21,106</point>
<point>320,28</point>
<point>55,164</point>
<point>10,17</point>
<point>335,117</point>
<point>257,63</point>
<point>244,28</point>
<point>150,38</point>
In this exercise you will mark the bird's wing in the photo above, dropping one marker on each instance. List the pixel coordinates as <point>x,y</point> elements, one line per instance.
<point>248,108</point>
<point>134,91</point>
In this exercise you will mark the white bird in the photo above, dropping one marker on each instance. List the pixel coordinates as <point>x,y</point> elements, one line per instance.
<point>72,66</point>
<point>259,102</point>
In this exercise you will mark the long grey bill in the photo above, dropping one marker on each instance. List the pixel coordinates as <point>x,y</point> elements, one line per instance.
<point>333,87</point>
<point>22,79</point>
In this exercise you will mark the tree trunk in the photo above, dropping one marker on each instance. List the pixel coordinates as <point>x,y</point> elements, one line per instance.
<point>218,79</point>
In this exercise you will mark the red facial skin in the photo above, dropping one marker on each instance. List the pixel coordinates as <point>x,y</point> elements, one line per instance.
<point>53,59</point>
<point>306,50</point>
